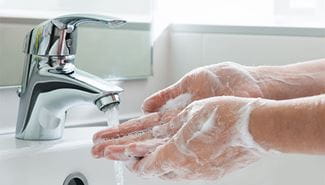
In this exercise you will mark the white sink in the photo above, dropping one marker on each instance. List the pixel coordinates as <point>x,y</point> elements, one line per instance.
<point>50,162</point>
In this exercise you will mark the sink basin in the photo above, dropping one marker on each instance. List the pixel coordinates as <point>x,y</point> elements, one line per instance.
<point>50,162</point>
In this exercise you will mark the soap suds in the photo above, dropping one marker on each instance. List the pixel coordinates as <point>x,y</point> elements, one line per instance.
<point>159,131</point>
<point>163,131</point>
<point>244,137</point>
<point>182,148</point>
<point>206,126</point>
<point>180,101</point>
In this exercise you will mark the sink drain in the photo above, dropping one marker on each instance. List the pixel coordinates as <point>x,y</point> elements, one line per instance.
<point>75,179</point>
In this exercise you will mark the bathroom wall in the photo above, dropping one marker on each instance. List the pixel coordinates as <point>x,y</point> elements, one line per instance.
<point>191,49</point>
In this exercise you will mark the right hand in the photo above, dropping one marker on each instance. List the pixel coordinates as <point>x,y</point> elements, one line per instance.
<point>224,79</point>
<point>207,140</point>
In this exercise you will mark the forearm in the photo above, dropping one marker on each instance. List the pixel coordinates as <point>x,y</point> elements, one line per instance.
<point>291,81</point>
<point>290,126</point>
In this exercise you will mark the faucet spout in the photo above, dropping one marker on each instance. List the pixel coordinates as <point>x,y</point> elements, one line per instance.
<point>51,84</point>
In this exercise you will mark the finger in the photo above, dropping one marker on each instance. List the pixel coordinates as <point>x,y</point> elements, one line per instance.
<point>144,148</point>
<point>135,125</point>
<point>157,100</point>
<point>102,143</point>
<point>130,126</point>
<point>133,150</point>
<point>149,166</point>
<point>116,152</point>
<point>98,149</point>
<point>170,176</point>
<point>156,163</point>
<point>169,129</point>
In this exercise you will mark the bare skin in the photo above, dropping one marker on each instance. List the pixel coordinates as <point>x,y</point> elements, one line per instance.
<point>291,81</point>
<point>291,126</point>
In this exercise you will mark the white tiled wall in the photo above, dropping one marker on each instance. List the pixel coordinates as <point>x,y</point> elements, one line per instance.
<point>190,50</point>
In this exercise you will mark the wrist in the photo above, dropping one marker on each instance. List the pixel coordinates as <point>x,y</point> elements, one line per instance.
<point>243,124</point>
<point>290,126</point>
<point>285,82</point>
<point>269,79</point>
<point>261,126</point>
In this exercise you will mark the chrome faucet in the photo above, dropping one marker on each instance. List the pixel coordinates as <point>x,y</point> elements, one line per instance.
<point>51,83</point>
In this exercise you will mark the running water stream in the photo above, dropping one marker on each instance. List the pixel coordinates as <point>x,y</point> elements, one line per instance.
<point>113,121</point>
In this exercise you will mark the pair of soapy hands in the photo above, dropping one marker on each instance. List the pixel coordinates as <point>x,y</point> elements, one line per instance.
<point>194,129</point>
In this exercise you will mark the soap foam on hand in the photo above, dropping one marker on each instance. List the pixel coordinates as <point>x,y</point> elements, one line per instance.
<point>199,125</point>
<point>243,139</point>
<point>180,101</point>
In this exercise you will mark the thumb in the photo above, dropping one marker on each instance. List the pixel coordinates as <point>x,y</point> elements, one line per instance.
<point>158,101</point>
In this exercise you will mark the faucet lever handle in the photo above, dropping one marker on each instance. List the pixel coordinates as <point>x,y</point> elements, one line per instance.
<point>72,21</point>
<point>58,37</point>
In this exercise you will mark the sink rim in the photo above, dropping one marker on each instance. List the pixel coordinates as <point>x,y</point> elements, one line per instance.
<point>11,147</point>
